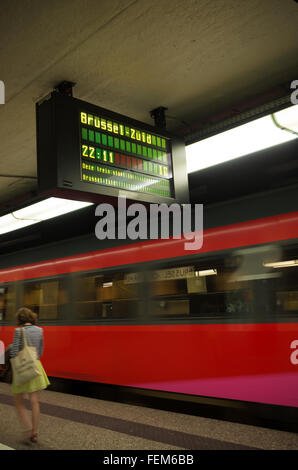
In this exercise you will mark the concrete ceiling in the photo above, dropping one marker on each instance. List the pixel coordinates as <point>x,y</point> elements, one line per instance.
<point>196,57</point>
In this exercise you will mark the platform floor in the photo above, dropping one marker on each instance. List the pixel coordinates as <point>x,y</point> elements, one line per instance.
<point>70,422</point>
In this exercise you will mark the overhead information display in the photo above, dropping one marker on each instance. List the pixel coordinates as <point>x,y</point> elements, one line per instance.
<point>86,148</point>
<point>121,156</point>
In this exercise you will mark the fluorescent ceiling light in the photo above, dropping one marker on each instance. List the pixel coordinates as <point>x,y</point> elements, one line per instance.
<point>288,118</point>
<point>38,212</point>
<point>243,140</point>
<point>206,272</point>
<point>8,223</point>
<point>282,264</point>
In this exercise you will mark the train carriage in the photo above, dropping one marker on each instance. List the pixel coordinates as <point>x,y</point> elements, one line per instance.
<point>216,327</point>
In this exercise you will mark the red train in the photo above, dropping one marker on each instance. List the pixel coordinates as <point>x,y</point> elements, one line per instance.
<point>221,322</point>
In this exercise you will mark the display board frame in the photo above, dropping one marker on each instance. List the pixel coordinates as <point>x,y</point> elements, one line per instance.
<point>60,161</point>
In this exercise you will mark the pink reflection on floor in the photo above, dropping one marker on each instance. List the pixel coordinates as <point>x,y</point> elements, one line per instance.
<point>275,389</point>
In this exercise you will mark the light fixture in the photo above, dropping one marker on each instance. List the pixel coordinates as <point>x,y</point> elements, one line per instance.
<point>287,119</point>
<point>206,272</point>
<point>107,284</point>
<point>282,264</point>
<point>253,277</point>
<point>251,137</point>
<point>38,212</point>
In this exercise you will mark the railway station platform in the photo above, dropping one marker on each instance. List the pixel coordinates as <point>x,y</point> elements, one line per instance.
<point>71,422</point>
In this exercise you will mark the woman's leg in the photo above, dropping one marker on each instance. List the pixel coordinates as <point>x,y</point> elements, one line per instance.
<point>23,412</point>
<point>35,411</point>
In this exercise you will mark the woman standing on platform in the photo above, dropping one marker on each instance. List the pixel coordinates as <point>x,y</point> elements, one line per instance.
<point>27,320</point>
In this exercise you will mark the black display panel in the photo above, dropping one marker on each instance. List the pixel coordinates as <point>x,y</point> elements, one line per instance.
<point>86,148</point>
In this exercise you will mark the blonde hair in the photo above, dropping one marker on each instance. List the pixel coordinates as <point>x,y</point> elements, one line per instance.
<point>25,315</point>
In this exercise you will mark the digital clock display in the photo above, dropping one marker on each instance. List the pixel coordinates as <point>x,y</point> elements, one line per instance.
<point>124,157</point>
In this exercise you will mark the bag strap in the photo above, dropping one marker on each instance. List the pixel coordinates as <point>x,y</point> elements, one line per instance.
<point>24,336</point>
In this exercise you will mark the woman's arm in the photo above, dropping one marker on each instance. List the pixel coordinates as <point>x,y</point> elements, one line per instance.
<point>17,343</point>
<point>40,346</point>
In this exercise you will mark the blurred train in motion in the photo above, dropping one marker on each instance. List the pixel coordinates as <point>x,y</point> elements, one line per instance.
<point>220,323</point>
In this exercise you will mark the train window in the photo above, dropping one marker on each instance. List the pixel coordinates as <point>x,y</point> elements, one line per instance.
<point>198,291</point>
<point>245,283</point>
<point>49,299</point>
<point>168,291</point>
<point>8,303</point>
<point>106,296</point>
<point>286,270</point>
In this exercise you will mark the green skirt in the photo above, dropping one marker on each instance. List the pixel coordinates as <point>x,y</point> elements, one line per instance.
<point>38,383</point>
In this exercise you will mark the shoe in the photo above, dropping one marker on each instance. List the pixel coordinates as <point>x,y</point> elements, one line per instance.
<point>33,438</point>
<point>26,437</point>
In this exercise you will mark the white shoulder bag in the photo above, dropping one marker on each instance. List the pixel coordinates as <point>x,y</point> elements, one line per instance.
<point>24,366</point>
